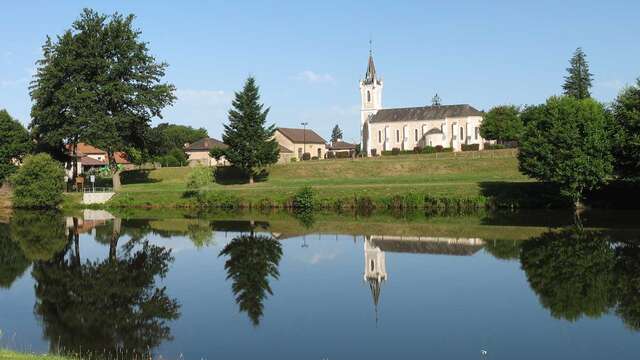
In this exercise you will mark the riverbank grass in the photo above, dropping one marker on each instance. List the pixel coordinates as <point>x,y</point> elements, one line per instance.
<point>12,355</point>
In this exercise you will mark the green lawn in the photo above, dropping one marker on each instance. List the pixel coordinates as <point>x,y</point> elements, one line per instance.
<point>10,355</point>
<point>452,175</point>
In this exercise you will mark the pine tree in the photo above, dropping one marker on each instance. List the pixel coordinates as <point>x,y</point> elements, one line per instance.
<point>578,82</point>
<point>250,142</point>
<point>336,134</point>
<point>436,101</point>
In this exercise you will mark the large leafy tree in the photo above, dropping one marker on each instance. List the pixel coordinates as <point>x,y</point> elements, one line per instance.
<point>626,110</point>
<point>15,144</point>
<point>502,123</point>
<point>13,262</point>
<point>250,140</point>
<point>336,134</point>
<point>578,82</point>
<point>567,141</point>
<point>38,183</point>
<point>166,137</point>
<point>252,260</point>
<point>99,84</point>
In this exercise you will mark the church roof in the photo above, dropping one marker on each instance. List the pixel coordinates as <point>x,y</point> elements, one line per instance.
<point>424,113</point>
<point>427,247</point>
<point>370,75</point>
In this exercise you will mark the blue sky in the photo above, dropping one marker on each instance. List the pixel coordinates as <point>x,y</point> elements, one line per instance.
<point>309,56</point>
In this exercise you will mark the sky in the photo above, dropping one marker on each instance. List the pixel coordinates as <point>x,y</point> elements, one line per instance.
<point>308,56</point>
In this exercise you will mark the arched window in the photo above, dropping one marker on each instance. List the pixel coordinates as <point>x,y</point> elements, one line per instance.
<point>373,265</point>
<point>416,135</point>
<point>379,136</point>
<point>368,96</point>
<point>397,135</point>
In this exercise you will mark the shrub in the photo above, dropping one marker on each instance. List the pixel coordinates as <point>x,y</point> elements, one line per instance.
<point>314,158</point>
<point>374,152</point>
<point>428,150</point>
<point>331,155</point>
<point>306,156</point>
<point>294,159</point>
<point>417,150</point>
<point>38,183</point>
<point>489,146</point>
<point>343,155</point>
<point>304,199</point>
<point>199,177</point>
<point>470,147</point>
<point>439,148</point>
<point>395,151</point>
<point>217,199</point>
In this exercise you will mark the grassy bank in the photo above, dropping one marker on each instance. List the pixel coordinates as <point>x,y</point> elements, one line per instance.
<point>11,355</point>
<point>464,180</point>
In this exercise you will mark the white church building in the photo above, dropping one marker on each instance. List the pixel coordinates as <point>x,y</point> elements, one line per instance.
<point>449,126</point>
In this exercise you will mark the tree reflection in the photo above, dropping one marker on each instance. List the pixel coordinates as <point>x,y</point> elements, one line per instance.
<point>13,262</point>
<point>98,308</point>
<point>41,234</point>
<point>578,272</point>
<point>252,260</point>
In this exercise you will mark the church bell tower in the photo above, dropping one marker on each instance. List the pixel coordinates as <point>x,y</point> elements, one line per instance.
<point>370,100</point>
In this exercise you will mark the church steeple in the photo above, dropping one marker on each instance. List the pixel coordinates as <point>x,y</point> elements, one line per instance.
<point>370,75</point>
<point>370,100</point>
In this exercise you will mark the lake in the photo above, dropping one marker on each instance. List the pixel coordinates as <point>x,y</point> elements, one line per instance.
<point>178,285</point>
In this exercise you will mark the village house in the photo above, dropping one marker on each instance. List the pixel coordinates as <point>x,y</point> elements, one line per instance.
<point>449,126</point>
<point>198,153</point>
<point>341,149</point>
<point>92,158</point>
<point>300,141</point>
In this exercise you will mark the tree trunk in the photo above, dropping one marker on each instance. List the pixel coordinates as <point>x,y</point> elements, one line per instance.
<point>250,178</point>
<point>115,235</point>
<point>74,161</point>
<point>115,179</point>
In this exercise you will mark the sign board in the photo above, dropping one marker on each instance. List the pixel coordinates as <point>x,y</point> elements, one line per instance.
<point>92,178</point>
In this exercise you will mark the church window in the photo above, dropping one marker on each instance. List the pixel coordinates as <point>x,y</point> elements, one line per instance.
<point>379,136</point>
<point>476,133</point>
<point>397,135</point>
<point>461,133</point>
<point>373,265</point>
<point>416,135</point>
<point>368,96</point>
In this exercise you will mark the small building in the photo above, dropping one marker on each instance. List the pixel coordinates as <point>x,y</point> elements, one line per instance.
<point>341,149</point>
<point>284,155</point>
<point>93,158</point>
<point>198,152</point>
<point>299,141</point>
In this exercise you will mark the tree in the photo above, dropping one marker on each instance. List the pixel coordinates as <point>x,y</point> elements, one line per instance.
<point>578,82</point>
<point>13,262</point>
<point>166,137</point>
<point>99,84</point>
<point>336,134</point>
<point>15,144</point>
<point>626,112</point>
<point>567,142</point>
<point>251,143</point>
<point>436,101</point>
<point>38,183</point>
<point>252,260</point>
<point>502,123</point>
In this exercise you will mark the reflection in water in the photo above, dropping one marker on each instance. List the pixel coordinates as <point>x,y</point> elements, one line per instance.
<point>578,272</point>
<point>252,259</point>
<point>13,262</point>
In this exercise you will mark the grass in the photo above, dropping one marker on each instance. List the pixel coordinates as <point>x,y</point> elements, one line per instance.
<point>11,355</point>
<point>381,180</point>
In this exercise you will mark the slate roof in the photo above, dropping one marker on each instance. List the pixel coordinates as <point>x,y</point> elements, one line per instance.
<point>300,136</point>
<point>206,144</point>
<point>370,75</point>
<point>424,113</point>
<point>341,145</point>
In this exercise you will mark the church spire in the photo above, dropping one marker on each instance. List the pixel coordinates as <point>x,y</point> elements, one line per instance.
<point>370,77</point>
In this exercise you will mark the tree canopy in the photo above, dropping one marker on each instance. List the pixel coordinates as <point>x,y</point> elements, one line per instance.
<point>250,140</point>
<point>626,112</point>
<point>166,137</point>
<point>15,144</point>
<point>336,133</point>
<point>98,83</point>
<point>502,123</point>
<point>38,183</point>
<point>578,80</point>
<point>567,141</point>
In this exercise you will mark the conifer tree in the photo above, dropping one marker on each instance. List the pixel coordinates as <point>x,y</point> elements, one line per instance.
<point>250,142</point>
<point>436,101</point>
<point>578,82</point>
<point>336,134</point>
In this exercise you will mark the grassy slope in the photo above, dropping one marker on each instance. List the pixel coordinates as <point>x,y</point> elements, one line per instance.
<point>10,355</point>
<point>449,175</point>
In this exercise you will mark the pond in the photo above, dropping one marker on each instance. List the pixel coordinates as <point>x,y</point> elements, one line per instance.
<point>327,286</point>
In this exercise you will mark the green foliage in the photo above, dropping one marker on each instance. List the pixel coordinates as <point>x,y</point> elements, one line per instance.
<point>165,137</point>
<point>336,134</point>
<point>40,234</point>
<point>251,143</point>
<point>199,177</point>
<point>98,82</point>
<point>395,151</point>
<point>217,200</point>
<point>502,123</point>
<point>304,199</point>
<point>15,144</point>
<point>578,82</point>
<point>38,183</point>
<point>626,112</point>
<point>572,272</point>
<point>306,156</point>
<point>470,147</point>
<point>252,260</point>
<point>13,261</point>
<point>568,142</point>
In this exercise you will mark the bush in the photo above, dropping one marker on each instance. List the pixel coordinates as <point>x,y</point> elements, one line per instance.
<point>428,150</point>
<point>306,156</point>
<point>38,183</point>
<point>314,158</point>
<point>294,159</point>
<point>304,199</point>
<point>395,151</point>
<point>417,150</point>
<point>343,155</point>
<point>217,199</point>
<point>438,148</point>
<point>331,155</point>
<point>470,147</point>
<point>489,146</point>
<point>199,177</point>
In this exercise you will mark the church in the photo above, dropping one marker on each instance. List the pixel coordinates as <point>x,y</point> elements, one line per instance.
<point>448,126</point>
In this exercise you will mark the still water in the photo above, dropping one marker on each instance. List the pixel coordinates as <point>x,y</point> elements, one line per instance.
<point>273,286</point>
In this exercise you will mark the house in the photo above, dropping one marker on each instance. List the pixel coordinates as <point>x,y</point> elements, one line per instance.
<point>198,152</point>
<point>449,126</point>
<point>93,158</point>
<point>300,141</point>
<point>341,149</point>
